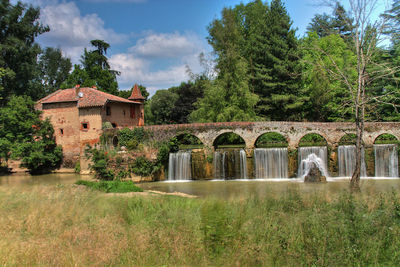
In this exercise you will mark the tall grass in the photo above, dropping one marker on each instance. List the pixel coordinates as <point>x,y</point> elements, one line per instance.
<point>70,225</point>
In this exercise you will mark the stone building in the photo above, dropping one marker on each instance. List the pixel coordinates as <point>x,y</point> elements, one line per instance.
<point>78,115</point>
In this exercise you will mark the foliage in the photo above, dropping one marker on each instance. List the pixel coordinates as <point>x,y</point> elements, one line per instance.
<point>312,139</point>
<point>23,135</point>
<point>111,186</point>
<point>42,155</point>
<point>19,26</point>
<point>95,70</point>
<point>142,167</point>
<point>54,69</point>
<point>131,138</point>
<point>161,107</point>
<point>101,163</point>
<point>77,168</point>
<point>229,139</point>
<point>271,139</point>
<point>328,97</point>
<point>386,139</point>
<point>348,139</point>
<point>164,149</point>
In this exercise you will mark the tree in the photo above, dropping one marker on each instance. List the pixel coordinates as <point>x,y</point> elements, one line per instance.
<point>365,35</point>
<point>23,135</point>
<point>54,69</point>
<point>95,70</point>
<point>327,98</point>
<point>228,98</point>
<point>162,106</point>
<point>19,26</point>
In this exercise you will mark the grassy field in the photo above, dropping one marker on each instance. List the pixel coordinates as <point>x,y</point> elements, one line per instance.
<point>69,225</point>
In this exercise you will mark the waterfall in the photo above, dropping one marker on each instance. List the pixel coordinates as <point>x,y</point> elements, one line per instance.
<point>271,162</point>
<point>386,160</point>
<point>243,164</point>
<point>314,154</point>
<point>230,164</point>
<point>347,161</point>
<point>179,166</point>
<point>219,164</point>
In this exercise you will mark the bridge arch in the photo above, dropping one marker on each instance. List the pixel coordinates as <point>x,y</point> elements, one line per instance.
<point>229,139</point>
<point>271,139</point>
<point>386,138</point>
<point>348,139</point>
<point>188,140</point>
<point>313,139</point>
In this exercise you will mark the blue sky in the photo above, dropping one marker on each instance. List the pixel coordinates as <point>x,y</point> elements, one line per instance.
<point>152,41</point>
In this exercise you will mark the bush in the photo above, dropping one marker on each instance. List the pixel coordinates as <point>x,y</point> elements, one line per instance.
<point>111,186</point>
<point>100,165</point>
<point>126,135</point>
<point>132,144</point>
<point>78,167</point>
<point>143,167</point>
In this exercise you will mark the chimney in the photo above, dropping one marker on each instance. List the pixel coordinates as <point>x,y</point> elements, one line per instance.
<point>77,89</point>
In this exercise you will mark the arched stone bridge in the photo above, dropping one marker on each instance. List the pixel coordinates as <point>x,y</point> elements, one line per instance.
<point>292,131</point>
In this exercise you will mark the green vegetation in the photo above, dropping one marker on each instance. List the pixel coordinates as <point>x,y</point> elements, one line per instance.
<point>271,140</point>
<point>24,136</point>
<point>348,139</point>
<point>312,139</point>
<point>143,167</point>
<point>101,163</point>
<point>386,139</point>
<point>131,138</point>
<point>229,140</point>
<point>285,229</point>
<point>111,186</point>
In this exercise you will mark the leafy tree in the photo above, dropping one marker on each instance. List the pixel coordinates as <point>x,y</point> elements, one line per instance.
<point>95,70</point>
<point>161,107</point>
<point>25,136</point>
<point>228,98</point>
<point>188,94</point>
<point>327,97</point>
<point>54,69</point>
<point>19,26</point>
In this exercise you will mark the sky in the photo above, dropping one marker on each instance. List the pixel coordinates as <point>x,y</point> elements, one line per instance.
<point>152,41</point>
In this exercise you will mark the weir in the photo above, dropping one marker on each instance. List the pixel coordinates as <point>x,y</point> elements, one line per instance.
<point>179,166</point>
<point>271,163</point>
<point>347,161</point>
<point>317,155</point>
<point>386,160</point>
<point>230,164</point>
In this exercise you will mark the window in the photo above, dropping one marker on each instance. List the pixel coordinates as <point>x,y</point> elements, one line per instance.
<point>123,112</point>
<point>61,131</point>
<point>108,111</point>
<point>132,112</point>
<point>85,126</point>
<point>114,125</point>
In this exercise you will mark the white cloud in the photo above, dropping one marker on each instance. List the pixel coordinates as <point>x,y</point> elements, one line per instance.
<point>116,1</point>
<point>71,31</point>
<point>166,45</point>
<point>141,62</point>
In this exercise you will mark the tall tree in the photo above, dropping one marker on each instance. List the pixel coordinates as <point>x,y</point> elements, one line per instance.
<point>95,70</point>
<point>19,26</point>
<point>228,98</point>
<point>365,36</point>
<point>54,69</point>
<point>279,93</point>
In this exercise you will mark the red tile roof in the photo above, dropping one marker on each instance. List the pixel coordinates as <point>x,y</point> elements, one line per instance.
<point>136,94</point>
<point>90,97</point>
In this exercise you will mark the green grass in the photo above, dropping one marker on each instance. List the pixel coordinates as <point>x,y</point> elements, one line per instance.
<point>111,186</point>
<point>71,226</point>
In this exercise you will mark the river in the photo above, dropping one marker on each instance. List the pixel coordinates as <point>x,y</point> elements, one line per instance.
<point>229,189</point>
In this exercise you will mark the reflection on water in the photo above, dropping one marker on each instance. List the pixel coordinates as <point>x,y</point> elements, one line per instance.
<point>46,179</point>
<point>225,189</point>
<point>239,189</point>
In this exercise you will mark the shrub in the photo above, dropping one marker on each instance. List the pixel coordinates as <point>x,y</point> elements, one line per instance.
<point>132,144</point>
<point>126,135</point>
<point>143,167</point>
<point>111,186</point>
<point>100,164</point>
<point>78,167</point>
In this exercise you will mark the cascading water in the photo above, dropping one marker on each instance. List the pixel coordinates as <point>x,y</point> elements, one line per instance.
<point>315,154</point>
<point>219,164</point>
<point>347,161</point>
<point>230,164</point>
<point>271,162</point>
<point>179,166</point>
<point>386,160</point>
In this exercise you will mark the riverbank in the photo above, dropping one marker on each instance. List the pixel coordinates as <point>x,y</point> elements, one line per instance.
<point>66,224</point>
